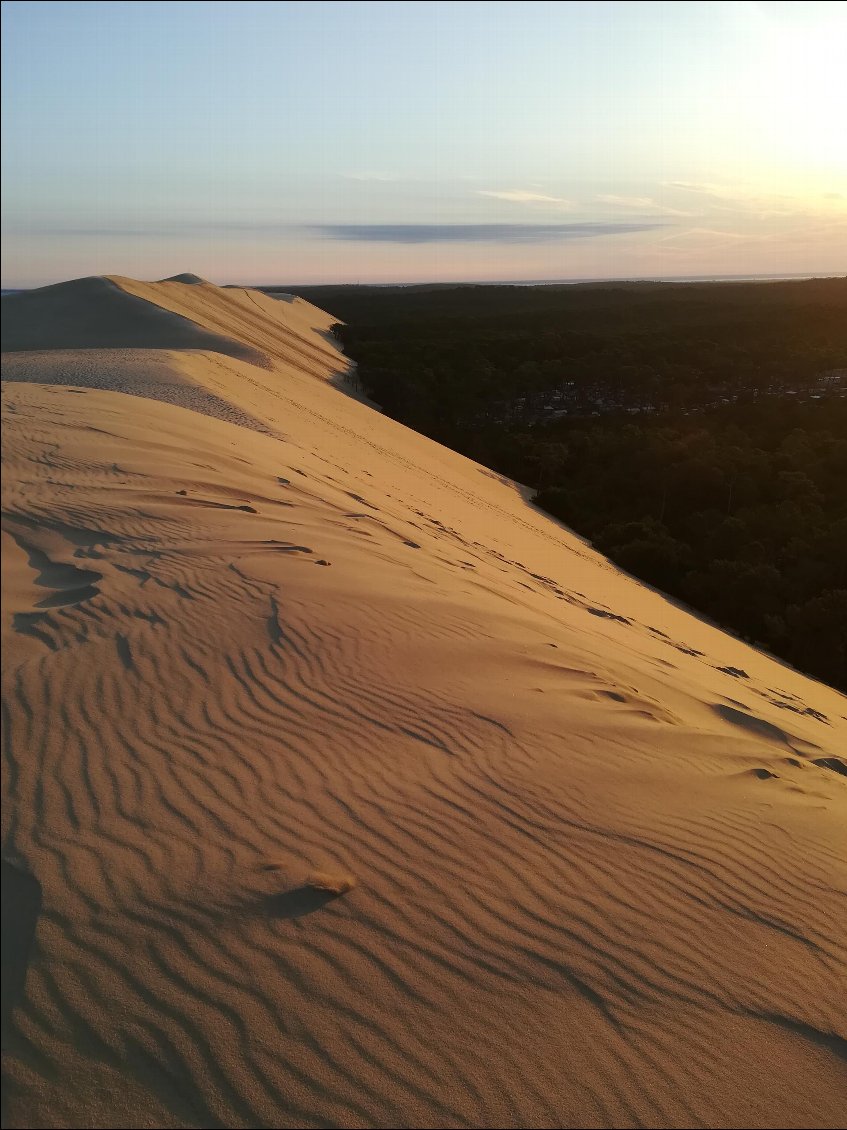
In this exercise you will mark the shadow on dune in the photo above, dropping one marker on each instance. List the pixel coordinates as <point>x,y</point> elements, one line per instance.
<point>279,295</point>
<point>759,726</point>
<point>21,906</point>
<point>297,903</point>
<point>94,313</point>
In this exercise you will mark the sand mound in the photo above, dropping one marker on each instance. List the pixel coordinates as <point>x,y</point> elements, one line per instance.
<point>218,351</point>
<point>461,827</point>
<point>96,313</point>
<point>188,279</point>
<point>290,333</point>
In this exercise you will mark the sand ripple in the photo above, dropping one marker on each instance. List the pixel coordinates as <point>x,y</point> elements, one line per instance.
<point>414,839</point>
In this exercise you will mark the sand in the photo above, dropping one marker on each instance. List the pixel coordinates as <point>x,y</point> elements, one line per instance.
<point>359,792</point>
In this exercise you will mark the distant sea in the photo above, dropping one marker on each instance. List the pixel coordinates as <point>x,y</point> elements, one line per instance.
<point>597,281</point>
<point>672,279</point>
<point>627,279</point>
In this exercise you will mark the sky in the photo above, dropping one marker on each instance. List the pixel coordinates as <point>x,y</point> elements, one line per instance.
<point>401,142</point>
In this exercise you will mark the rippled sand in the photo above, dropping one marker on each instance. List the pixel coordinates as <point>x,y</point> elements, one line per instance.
<point>359,792</point>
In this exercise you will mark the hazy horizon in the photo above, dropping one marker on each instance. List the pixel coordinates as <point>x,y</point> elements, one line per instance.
<point>280,283</point>
<point>401,143</point>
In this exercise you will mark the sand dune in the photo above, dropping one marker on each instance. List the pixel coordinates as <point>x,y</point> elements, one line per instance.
<point>359,792</point>
<point>95,312</point>
<point>160,374</point>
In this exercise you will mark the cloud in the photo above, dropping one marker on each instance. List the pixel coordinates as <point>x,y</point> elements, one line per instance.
<point>360,233</point>
<point>154,227</point>
<point>641,204</point>
<point>628,201</point>
<point>698,232</point>
<point>475,233</point>
<point>719,191</point>
<point>520,196</point>
<point>732,196</point>
<point>745,203</point>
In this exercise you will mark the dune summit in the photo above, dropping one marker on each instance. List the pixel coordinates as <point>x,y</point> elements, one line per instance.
<point>359,792</point>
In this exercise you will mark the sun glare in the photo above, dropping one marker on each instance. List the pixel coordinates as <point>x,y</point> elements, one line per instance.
<point>796,90</point>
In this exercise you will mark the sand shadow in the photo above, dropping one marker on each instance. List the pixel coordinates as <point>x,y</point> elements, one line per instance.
<point>299,902</point>
<point>21,906</point>
<point>759,726</point>
<point>836,764</point>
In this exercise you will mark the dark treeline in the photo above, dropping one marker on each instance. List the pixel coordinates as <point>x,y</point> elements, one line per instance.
<point>696,433</point>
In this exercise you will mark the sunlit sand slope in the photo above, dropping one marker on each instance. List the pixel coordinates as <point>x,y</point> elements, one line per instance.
<point>362,794</point>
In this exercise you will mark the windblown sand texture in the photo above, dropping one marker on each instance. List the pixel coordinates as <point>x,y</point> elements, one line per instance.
<point>361,793</point>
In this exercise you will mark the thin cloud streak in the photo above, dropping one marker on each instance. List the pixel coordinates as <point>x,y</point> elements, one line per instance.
<point>640,204</point>
<point>520,196</point>
<point>628,201</point>
<point>366,233</point>
<point>476,233</point>
<point>155,228</point>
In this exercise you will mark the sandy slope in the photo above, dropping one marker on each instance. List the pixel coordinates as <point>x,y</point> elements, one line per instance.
<point>599,873</point>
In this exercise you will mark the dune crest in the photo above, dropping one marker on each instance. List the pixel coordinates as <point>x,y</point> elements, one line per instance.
<point>188,278</point>
<point>97,313</point>
<point>359,792</point>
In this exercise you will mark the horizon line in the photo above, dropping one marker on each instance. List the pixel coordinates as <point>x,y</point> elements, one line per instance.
<point>799,276</point>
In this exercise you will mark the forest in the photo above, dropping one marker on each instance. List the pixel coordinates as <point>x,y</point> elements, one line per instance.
<point>696,433</point>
